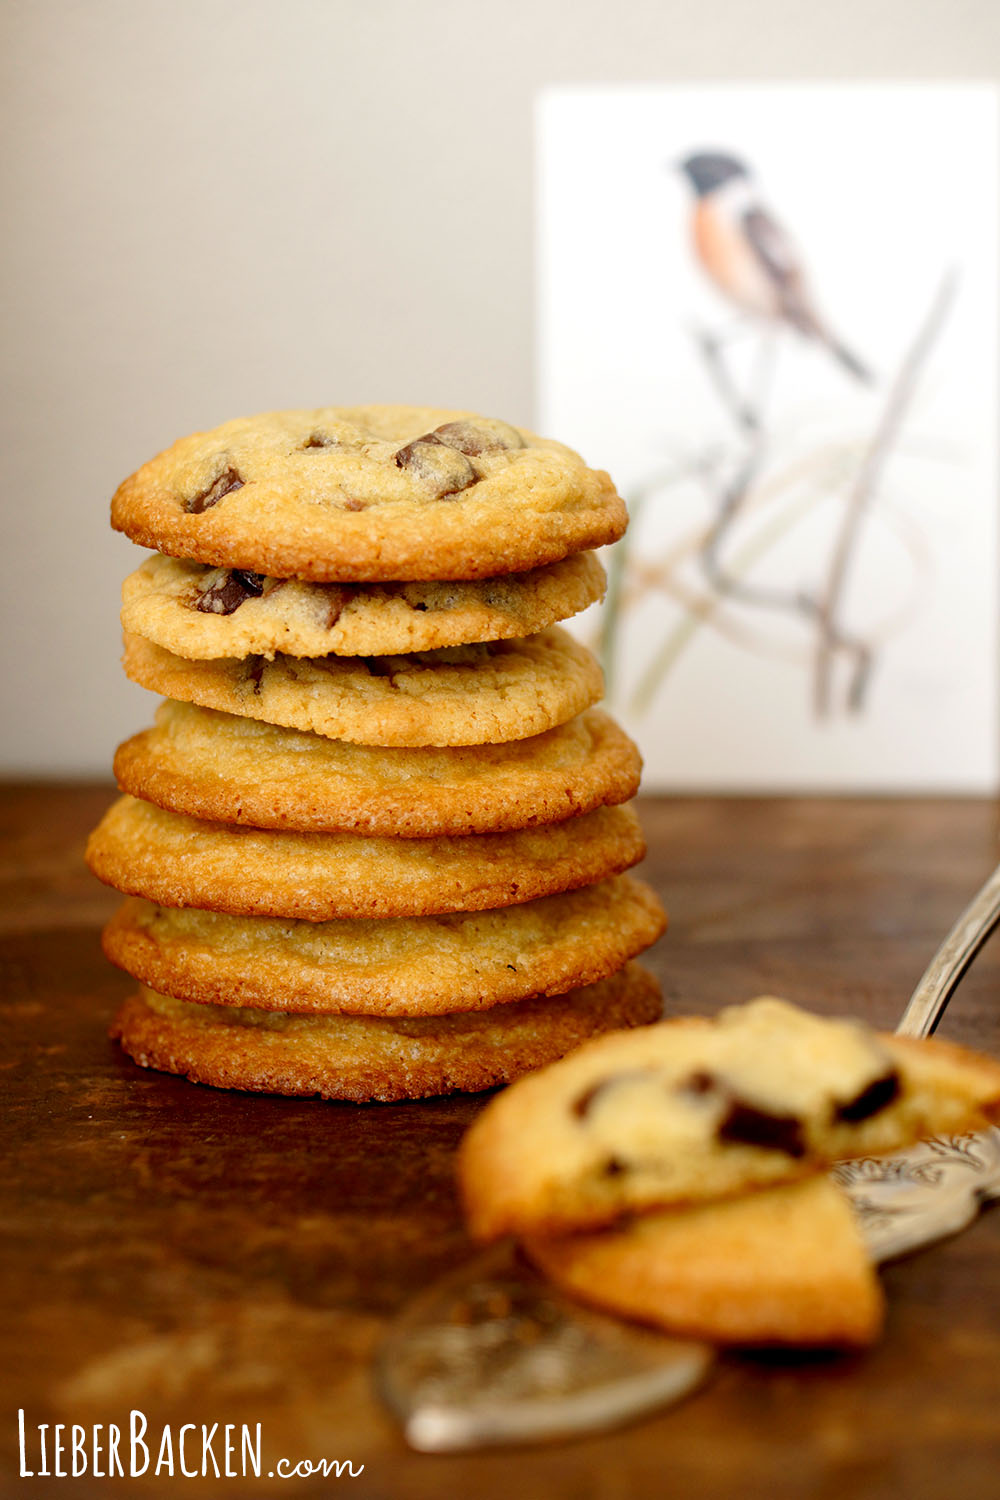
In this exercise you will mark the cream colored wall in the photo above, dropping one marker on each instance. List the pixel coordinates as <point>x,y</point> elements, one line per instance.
<point>220,206</point>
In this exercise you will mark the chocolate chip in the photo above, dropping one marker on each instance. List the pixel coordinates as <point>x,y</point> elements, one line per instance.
<point>319,440</point>
<point>879,1094</point>
<point>742,1123</point>
<point>378,666</point>
<point>699,1083</point>
<point>472,439</point>
<point>229,591</point>
<point>253,671</point>
<point>581,1105</point>
<point>745,1124</point>
<point>437,464</point>
<point>228,481</point>
<point>614,1167</point>
<point>337,598</point>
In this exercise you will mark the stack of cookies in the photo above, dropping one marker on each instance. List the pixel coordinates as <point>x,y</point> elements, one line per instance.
<point>374,846</point>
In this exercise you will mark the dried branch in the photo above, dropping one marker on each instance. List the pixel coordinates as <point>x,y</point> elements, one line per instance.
<point>731,505</point>
<point>901,395</point>
<point>706,611</point>
<point>743,414</point>
<point>618,565</point>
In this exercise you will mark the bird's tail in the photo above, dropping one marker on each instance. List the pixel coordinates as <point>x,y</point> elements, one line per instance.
<point>806,321</point>
<point>849,361</point>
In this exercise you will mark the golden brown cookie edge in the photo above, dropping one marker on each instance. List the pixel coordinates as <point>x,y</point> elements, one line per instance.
<point>628,999</point>
<point>609,776</point>
<point>201,974</point>
<point>252,873</point>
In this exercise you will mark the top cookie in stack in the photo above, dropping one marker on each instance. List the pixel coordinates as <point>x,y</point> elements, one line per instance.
<point>365,494</point>
<point>354,612</point>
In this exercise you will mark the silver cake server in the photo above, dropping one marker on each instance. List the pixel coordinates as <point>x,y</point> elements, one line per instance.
<point>493,1355</point>
<point>937,1187</point>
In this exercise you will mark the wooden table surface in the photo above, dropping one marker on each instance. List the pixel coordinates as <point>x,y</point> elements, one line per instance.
<point>218,1257</point>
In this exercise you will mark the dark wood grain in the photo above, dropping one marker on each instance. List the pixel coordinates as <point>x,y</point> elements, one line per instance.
<point>213,1256</point>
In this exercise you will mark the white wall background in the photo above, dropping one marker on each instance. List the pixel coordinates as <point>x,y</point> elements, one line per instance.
<point>214,207</point>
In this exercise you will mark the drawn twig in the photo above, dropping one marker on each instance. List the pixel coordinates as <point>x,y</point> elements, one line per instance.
<point>618,560</point>
<point>745,415</point>
<point>699,612</point>
<point>748,414</point>
<point>708,609</point>
<point>726,580</point>
<point>872,465</point>
<point>748,487</point>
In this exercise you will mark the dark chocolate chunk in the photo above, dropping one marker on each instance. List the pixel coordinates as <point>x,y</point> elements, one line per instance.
<point>471,439</point>
<point>230,591</point>
<point>437,464</point>
<point>879,1094</point>
<point>582,1103</point>
<point>746,1125</point>
<point>227,482</point>
<point>337,598</point>
<point>700,1083</point>
<point>378,666</point>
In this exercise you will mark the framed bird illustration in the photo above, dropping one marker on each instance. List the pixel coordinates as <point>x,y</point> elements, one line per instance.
<point>778,330</point>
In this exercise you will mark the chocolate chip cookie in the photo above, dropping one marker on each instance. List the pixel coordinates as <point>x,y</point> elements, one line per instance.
<point>394,966</point>
<point>785,1265</point>
<point>461,695</point>
<point>236,770</point>
<point>200,612</point>
<point>175,860</point>
<point>696,1110</point>
<point>369,493</point>
<point>360,1058</point>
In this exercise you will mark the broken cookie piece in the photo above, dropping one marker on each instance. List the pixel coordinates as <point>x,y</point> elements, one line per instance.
<point>693,1110</point>
<point>711,1271</point>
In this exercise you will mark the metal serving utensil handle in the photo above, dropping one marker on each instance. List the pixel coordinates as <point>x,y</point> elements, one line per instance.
<point>930,998</point>
<point>936,1187</point>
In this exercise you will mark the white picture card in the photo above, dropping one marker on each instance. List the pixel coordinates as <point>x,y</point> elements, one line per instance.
<point>770,312</point>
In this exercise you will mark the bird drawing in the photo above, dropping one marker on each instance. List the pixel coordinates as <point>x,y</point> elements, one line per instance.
<point>749,255</point>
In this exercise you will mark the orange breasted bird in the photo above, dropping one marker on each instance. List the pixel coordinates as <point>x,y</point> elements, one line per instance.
<point>749,255</point>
